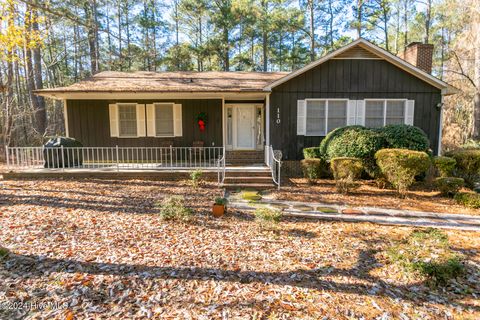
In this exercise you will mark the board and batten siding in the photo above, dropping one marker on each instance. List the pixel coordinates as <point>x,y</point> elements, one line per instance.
<point>89,123</point>
<point>353,79</point>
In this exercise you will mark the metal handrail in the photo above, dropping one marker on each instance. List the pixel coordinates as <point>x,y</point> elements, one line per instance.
<point>274,162</point>
<point>221,168</point>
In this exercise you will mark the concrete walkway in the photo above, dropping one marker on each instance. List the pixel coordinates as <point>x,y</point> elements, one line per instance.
<point>361,214</point>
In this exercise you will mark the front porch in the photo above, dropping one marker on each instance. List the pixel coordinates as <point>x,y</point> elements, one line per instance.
<point>165,163</point>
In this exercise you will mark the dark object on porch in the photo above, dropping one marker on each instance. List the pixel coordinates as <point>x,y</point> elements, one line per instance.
<point>54,158</point>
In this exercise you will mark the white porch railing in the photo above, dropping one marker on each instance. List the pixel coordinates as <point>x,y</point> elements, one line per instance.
<point>117,158</point>
<point>274,162</point>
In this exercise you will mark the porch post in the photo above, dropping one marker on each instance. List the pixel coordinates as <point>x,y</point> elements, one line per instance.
<point>224,129</point>
<point>267,127</point>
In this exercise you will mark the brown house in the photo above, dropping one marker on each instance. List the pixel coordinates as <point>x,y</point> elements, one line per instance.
<point>244,112</point>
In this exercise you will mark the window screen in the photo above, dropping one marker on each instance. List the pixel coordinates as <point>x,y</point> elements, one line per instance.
<point>325,115</point>
<point>127,120</point>
<point>164,119</point>
<point>379,113</point>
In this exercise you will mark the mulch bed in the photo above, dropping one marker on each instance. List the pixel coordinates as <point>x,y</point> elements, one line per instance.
<point>368,194</point>
<point>99,250</point>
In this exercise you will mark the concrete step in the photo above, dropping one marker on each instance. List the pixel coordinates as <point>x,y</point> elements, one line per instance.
<point>251,179</point>
<point>256,186</point>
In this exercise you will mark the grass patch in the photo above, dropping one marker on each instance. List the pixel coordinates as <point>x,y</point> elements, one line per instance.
<point>327,210</point>
<point>427,253</point>
<point>173,208</point>
<point>3,252</point>
<point>267,218</point>
<point>251,195</point>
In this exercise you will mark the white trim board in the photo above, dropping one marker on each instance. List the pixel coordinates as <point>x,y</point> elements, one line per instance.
<point>402,64</point>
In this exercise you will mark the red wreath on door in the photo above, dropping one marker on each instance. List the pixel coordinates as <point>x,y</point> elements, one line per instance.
<point>202,121</point>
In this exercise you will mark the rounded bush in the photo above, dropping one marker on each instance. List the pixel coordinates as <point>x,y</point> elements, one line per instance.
<point>352,141</point>
<point>312,153</point>
<point>444,165</point>
<point>470,200</point>
<point>346,168</point>
<point>312,168</point>
<point>467,164</point>
<point>403,136</point>
<point>345,171</point>
<point>449,185</point>
<point>400,166</point>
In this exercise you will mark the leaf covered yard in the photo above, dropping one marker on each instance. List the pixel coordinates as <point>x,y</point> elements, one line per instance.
<point>99,249</point>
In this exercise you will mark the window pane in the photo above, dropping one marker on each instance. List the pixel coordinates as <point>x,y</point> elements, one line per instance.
<point>395,112</point>
<point>127,114</point>
<point>374,114</point>
<point>164,119</point>
<point>337,114</point>
<point>316,118</point>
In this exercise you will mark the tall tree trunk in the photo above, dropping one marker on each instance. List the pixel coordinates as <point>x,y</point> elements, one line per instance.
<point>359,17</point>
<point>405,22</point>
<point>41,112</point>
<point>428,18</point>
<point>119,22</point>
<point>476,80</point>
<point>92,41</point>
<point>311,7</point>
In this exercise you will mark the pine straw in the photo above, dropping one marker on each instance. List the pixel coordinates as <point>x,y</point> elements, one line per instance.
<point>99,248</point>
<point>368,194</point>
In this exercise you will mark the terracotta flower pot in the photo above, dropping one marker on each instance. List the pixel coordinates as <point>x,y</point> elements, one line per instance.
<point>218,210</point>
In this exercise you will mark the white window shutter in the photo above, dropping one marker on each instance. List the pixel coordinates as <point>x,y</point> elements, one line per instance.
<point>141,120</point>
<point>409,112</point>
<point>301,117</point>
<point>360,113</point>
<point>113,115</point>
<point>351,112</point>
<point>151,130</point>
<point>177,120</point>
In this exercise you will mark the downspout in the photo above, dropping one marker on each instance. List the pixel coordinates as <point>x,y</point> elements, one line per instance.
<point>440,128</point>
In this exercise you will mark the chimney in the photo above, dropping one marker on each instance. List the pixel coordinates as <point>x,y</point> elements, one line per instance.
<point>419,54</point>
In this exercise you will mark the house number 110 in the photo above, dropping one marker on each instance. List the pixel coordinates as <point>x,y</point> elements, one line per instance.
<point>278,116</point>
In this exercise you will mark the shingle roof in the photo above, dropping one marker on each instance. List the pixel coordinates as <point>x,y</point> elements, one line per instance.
<point>181,81</point>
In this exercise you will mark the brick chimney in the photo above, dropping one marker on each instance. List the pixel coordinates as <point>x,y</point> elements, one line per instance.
<point>419,54</point>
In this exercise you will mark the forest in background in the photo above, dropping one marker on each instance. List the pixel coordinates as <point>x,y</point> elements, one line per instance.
<point>56,43</point>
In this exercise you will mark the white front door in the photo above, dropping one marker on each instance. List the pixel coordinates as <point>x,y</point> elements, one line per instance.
<point>245,127</point>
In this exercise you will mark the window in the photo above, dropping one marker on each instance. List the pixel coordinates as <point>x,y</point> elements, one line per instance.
<point>127,119</point>
<point>325,115</point>
<point>164,119</point>
<point>379,113</point>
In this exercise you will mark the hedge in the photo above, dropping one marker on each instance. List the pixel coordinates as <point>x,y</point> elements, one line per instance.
<point>403,136</point>
<point>400,166</point>
<point>312,153</point>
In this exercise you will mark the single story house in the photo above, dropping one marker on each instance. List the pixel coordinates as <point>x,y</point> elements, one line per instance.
<point>359,83</point>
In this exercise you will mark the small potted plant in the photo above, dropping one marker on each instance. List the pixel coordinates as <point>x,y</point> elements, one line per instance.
<point>219,207</point>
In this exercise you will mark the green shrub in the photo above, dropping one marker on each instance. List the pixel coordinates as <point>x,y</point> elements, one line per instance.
<point>220,201</point>
<point>400,166</point>
<point>312,168</point>
<point>449,185</point>
<point>3,252</point>
<point>173,208</point>
<point>444,165</point>
<point>267,217</point>
<point>196,177</point>
<point>470,200</point>
<point>356,142</point>
<point>427,253</point>
<point>468,164</point>
<point>312,153</point>
<point>346,171</point>
<point>403,136</point>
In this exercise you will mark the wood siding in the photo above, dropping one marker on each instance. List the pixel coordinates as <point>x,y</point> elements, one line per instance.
<point>88,122</point>
<point>354,79</point>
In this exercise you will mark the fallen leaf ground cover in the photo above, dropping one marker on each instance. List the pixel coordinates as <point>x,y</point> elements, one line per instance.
<point>98,249</point>
<point>368,194</point>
